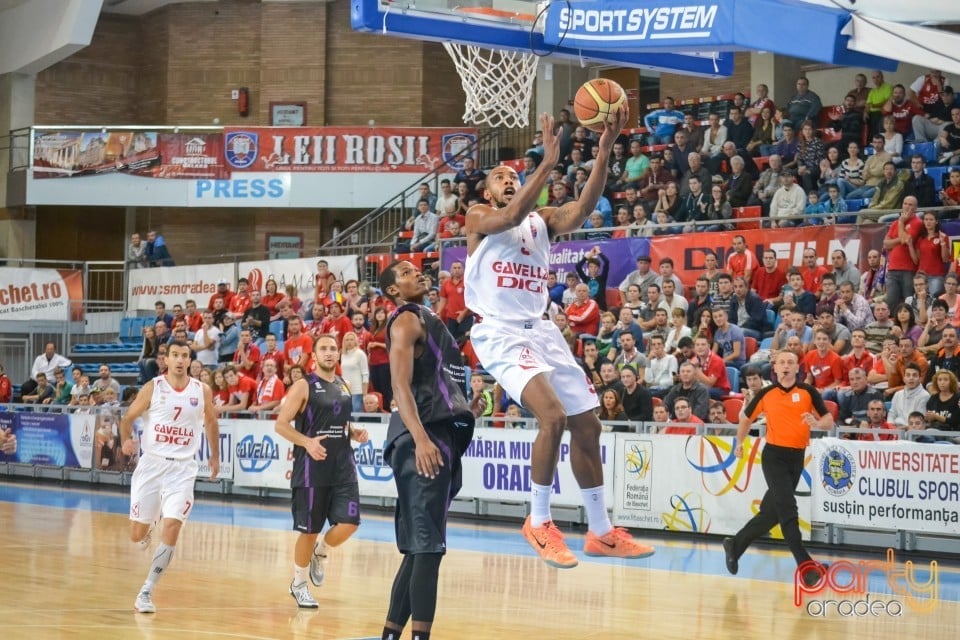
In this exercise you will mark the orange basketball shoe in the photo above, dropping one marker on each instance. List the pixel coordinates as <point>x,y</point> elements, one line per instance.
<point>548,542</point>
<point>617,543</point>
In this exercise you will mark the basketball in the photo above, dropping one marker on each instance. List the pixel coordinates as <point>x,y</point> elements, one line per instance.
<point>597,102</point>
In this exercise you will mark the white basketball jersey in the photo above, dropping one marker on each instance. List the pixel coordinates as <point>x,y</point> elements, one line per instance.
<point>506,277</point>
<point>173,423</point>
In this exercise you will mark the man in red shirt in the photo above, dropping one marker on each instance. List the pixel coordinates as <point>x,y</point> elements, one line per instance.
<point>711,370</point>
<point>824,367</point>
<point>193,317</point>
<point>223,291</point>
<point>242,390</point>
<point>271,352</point>
<point>742,261</point>
<point>876,419</point>
<point>859,357</point>
<point>359,321</point>
<point>247,356</point>
<point>770,279</point>
<point>336,323</point>
<point>583,314</point>
<point>902,257</point>
<point>684,418</point>
<point>270,388</point>
<point>812,272</point>
<point>452,309</point>
<point>298,348</point>
<point>240,301</point>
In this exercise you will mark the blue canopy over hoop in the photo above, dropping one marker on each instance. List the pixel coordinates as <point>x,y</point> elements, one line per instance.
<point>374,16</point>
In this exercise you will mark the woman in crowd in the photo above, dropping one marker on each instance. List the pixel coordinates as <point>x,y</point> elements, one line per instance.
<point>377,357</point>
<point>271,299</point>
<point>943,407</point>
<point>354,369</point>
<point>933,249</point>
<point>610,407</point>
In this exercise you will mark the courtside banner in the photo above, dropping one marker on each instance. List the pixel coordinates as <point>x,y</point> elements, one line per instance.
<point>693,484</point>
<point>300,272</point>
<point>40,294</point>
<point>83,428</point>
<point>43,439</point>
<point>344,149</point>
<point>227,452</point>
<point>374,475</point>
<point>496,466</point>
<point>261,458</point>
<point>899,485</point>
<point>176,285</point>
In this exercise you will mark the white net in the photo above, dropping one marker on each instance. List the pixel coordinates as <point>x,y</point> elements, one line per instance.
<point>498,84</point>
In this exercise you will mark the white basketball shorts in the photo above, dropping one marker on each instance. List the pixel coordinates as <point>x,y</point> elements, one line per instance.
<point>162,486</point>
<point>514,353</point>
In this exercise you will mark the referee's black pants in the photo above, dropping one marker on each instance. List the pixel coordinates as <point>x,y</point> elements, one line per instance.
<point>782,468</point>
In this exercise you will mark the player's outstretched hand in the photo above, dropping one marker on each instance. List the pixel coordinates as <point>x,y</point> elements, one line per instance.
<point>429,459</point>
<point>612,130</point>
<point>359,435</point>
<point>129,447</point>
<point>316,450</point>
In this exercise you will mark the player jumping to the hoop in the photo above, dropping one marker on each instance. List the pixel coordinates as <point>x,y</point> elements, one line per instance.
<point>508,259</point>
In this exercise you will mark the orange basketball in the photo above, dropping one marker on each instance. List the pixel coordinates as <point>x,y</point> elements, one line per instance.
<point>597,102</point>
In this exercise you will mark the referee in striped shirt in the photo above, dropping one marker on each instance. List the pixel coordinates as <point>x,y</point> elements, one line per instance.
<point>791,408</point>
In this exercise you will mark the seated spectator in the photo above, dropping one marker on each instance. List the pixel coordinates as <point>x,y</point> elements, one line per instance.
<point>948,356</point>
<point>888,195</point>
<point>787,146</point>
<point>42,393</point>
<point>611,409</point>
<point>767,184</point>
<point>718,413</point>
<point>754,382</point>
<point>950,197</point>
<point>696,170</point>
<point>636,165</point>
<point>637,401</point>
<point>241,390</point>
<point>688,387</point>
<point>876,419</point>
<point>678,331</point>
<point>583,314</point>
<point>746,310</point>
<point>829,295</point>
<point>911,398</point>
<point>839,334</point>
<point>728,340</point>
<point>269,388</point>
<point>943,407</point>
<point>919,184</point>
<point>854,400</point>
<point>609,378</point>
<point>424,227</point>
<point>764,129</point>
<point>711,370</point>
<point>685,422</point>
<point>787,203</point>
<point>605,336</point>
<point>61,386</point>
<point>714,135</point>
<point>885,375</point>
<point>655,180</point>
<point>796,296</point>
<point>663,123</point>
<point>880,328</point>
<point>823,365</point>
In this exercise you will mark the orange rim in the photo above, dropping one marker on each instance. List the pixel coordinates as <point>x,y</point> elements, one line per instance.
<point>491,12</point>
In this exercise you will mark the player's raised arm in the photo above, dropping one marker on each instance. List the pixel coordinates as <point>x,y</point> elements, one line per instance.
<point>510,203</point>
<point>140,404</point>
<point>572,215</point>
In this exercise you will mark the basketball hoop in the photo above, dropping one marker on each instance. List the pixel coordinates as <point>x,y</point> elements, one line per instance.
<point>498,84</point>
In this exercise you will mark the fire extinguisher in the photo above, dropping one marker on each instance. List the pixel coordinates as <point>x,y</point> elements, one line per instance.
<point>243,102</point>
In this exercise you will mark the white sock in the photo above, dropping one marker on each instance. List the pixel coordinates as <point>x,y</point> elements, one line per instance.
<point>320,549</point>
<point>161,560</point>
<point>539,504</point>
<point>597,519</point>
<point>300,574</point>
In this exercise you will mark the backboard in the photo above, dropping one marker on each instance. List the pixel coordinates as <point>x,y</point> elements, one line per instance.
<point>515,25</point>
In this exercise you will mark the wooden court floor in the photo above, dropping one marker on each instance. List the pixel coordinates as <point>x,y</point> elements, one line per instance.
<point>67,571</point>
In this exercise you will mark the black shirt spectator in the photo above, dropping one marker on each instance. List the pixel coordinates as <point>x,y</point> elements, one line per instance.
<point>470,175</point>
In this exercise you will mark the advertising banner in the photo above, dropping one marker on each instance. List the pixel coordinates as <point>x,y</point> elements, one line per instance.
<point>300,272</point>
<point>688,250</point>
<point>261,457</point>
<point>496,466</point>
<point>40,294</point>
<point>227,452</point>
<point>244,190</point>
<point>345,149</point>
<point>43,439</point>
<point>897,485</point>
<point>176,285</point>
<point>374,475</point>
<point>693,484</point>
<point>60,154</point>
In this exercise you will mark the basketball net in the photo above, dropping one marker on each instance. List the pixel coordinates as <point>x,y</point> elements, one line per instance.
<point>498,84</point>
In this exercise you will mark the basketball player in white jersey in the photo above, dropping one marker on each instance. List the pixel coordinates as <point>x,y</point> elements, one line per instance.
<point>508,260</point>
<point>174,407</point>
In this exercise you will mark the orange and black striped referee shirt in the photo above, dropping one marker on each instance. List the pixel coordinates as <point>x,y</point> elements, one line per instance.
<point>784,409</point>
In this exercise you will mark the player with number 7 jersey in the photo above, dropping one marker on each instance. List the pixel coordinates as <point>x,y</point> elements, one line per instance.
<point>315,416</point>
<point>175,408</point>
